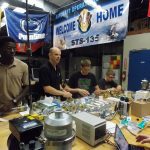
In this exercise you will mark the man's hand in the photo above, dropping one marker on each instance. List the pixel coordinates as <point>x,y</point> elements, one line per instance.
<point>143,138</point>
<point>67,94</point>
<point>97,92</point>
<point>83,92</point>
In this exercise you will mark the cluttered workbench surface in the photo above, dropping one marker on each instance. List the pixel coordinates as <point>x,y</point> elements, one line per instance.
<point>92,108</point>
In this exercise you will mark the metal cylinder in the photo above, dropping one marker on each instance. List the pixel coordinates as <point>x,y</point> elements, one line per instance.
<point>58,131</point>
<point>144,84</point>
<point>60,144</point>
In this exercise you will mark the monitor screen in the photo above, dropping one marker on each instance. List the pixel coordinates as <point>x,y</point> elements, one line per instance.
<point>120,139</point>
<point>35,73</point>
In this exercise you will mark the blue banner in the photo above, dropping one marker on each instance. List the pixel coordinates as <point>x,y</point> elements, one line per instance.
<point>39,28</point>
<point>91,22</point>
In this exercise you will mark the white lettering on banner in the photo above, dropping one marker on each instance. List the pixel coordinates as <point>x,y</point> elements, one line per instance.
<point>72,9</point>
<point>31,37</point>
<point>78,7</point>
<point>111,13</point>
<point>101,26</point>
<point>63,13</point>
<point>65,28</point>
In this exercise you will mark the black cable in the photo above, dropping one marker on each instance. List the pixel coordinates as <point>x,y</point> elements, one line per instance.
<point>112,116</point>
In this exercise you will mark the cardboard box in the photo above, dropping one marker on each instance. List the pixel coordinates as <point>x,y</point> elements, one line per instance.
<point>140,108</point>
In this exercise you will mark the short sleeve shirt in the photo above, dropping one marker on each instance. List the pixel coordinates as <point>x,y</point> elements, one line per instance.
<point>12,79</point>
<point>87,82</point>
<point>49,76</point>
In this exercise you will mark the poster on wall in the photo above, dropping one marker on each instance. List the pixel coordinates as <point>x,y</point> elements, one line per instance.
<point>112,62</point>
<point>90,22</point>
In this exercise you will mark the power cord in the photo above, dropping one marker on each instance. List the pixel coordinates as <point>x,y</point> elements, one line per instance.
<point>107,140</point>
<point>111,116</point>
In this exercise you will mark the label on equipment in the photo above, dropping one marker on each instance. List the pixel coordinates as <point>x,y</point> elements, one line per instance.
<point>57,133</point>
<point>29,124</point>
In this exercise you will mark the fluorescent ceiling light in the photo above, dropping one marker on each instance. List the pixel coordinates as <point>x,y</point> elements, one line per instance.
<point>37,3</point>
<point>91,3</point>
<point>20,10</point>
<point>4,5</point>
<point>94,5</point>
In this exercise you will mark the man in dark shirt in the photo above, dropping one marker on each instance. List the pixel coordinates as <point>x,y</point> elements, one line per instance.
<point>50,75</point>
<point>108,83</point>
<point>83,83</point>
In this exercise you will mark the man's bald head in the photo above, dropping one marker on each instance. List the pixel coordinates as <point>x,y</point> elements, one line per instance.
<point>54,55</point>
<point>53,49</point>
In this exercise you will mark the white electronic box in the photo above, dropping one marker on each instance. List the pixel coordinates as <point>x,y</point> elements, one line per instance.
<point>90,128</point>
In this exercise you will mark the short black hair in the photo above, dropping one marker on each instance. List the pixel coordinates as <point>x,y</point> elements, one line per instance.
<point>4,39</point>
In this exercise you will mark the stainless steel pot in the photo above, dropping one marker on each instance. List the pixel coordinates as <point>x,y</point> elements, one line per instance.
<point>58,126</point>
<point>60,144</point>
<point>58,131</point>
<point>144,84</point>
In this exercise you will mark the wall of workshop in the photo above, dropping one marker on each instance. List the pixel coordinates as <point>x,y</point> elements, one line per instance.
<point>70,64</point>
<point>74,66</point>
<point>132,42</point>
<point>70,61</point>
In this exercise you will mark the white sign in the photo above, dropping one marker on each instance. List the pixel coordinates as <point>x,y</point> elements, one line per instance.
<point>80,25</point>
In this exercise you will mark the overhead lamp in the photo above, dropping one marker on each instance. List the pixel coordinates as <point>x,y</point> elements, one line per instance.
<point>93,4</point>
<point>4,5</point>
<point>39,3</point>
<point>20,10</point>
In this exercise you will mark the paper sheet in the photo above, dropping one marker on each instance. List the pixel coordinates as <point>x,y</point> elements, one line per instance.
<point>110,126</point>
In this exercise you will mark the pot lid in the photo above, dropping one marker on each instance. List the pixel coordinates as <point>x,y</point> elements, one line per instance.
<point>144,80</point>
<point>58,118</point>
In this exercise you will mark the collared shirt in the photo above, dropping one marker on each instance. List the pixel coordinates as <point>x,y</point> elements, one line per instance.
<point>12,79</point>
<point>49,76</point>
